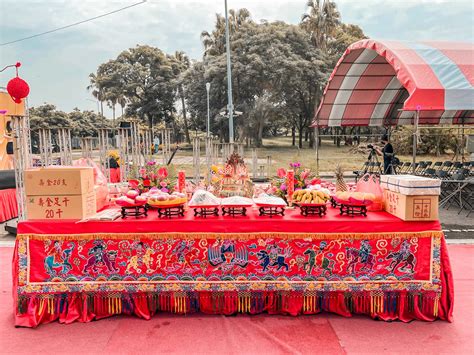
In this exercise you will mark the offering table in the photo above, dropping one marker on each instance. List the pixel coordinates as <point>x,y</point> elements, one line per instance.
<point>377,265</point>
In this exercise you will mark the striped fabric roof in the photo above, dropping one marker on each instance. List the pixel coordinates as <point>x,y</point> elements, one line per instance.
<point>383,83</point>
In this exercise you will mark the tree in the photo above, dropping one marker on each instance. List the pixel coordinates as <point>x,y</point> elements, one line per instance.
<point>110,80</point>
<point>148,83</point>
<point>321,21</point>
<point>182,63</point>
<point>97,91</point>
<point>85,123</point>
<point>214,42</point>
<point>274,66</point>
<point>47,116</point>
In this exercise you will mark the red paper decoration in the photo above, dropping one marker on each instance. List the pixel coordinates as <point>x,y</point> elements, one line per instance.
<point>18,89</point>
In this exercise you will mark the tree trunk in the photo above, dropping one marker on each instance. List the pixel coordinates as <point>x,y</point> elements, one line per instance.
<point>150,121</point>
<point>258,141</point>
<point>102,108</point>
<point>293,136</point>
<point>311,138</point>
<point>186,128</point>
<point>113,114</point>
<point>306,135</point>
<point>300,137</point>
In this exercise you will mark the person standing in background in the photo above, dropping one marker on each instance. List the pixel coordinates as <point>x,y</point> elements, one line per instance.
<point>156,143</point>
<point>388,154</point>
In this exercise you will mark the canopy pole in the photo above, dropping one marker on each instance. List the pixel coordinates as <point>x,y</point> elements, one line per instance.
<point>316,140</point>
<point>415,138</point>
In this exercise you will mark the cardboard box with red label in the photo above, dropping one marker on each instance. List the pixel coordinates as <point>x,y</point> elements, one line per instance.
<point>61,206</point>
<point>59,181</point>
<point>60,193</point>
<point>411,208</point>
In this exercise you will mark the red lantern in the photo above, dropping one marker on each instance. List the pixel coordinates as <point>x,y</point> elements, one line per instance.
<point>18,89</point>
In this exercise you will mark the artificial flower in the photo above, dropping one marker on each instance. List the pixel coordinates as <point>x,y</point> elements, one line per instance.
<point>162,173</point>
<point>281,172</point>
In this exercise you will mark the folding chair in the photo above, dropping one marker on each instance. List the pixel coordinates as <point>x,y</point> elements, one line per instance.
<point>404,168</point>
<point>430,172</point>
<point>450,189</point>
<point>446,166</point>
<point>421,168</point>
<point>455,167</point>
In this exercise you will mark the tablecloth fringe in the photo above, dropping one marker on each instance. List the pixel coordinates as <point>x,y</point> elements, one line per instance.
<point>84,307</point>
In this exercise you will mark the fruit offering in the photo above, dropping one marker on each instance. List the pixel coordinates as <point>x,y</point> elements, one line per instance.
<point>204,198</point>
<point>340,183</point>
<point>164,199</point>
<point>347,197</point>
<point>131,199</point>
<point>310,197</point>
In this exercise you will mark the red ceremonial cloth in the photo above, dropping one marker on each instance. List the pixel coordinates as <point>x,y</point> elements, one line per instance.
<point>8,205</point>
<point>292,222</point>
<point>188,253</point>
<point>114,175</point>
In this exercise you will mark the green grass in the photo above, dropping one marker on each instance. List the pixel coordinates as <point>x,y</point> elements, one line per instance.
<point>282,153</point>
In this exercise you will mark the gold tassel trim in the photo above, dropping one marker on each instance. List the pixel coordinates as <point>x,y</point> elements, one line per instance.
<point>229,236</point>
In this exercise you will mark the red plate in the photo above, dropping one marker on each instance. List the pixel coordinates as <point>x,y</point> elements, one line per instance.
<point>307,204</point>
<point>167,205</point>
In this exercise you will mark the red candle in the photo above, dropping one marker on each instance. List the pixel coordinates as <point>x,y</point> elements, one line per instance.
<point>181,181</point>
<point>290,184</point>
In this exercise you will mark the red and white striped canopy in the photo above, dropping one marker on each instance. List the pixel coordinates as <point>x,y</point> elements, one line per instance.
<point>383,83</point>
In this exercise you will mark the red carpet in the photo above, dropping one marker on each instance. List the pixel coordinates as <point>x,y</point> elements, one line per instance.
<point>328,334</point>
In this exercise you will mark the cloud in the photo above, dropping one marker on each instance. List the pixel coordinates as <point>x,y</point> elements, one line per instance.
<point>57,65</point>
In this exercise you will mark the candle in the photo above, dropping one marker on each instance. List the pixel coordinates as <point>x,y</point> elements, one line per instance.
<point>290,185</point>
<point>181,181</point>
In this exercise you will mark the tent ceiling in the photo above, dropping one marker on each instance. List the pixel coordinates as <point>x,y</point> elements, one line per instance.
<point>383,83</point>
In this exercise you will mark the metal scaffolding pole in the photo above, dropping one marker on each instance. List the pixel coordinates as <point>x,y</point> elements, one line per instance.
<point>208,159</point>
<point>21,158</point>
<point>415,138</point>
<point>124,153</point>
<point>197,159</point>
<point>104,151</point>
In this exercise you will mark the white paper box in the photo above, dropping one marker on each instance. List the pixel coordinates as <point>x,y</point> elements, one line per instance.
<point>411,185</point>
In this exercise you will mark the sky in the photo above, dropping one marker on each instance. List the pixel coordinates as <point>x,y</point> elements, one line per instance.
<point>57,65</point>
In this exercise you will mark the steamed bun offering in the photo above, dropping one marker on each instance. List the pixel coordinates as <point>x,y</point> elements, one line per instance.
<point>162,198</point>
<point>265,199</point>
<point>236,201</point>
<point>355,197</point>
<point>204,198</point>
<point>130,199</point>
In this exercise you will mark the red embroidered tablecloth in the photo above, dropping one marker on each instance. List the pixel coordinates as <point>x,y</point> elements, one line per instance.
<point>8,205</point>
<point>378,265</point>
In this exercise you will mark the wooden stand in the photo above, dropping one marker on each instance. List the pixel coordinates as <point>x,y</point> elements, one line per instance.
<point>135,211</point>
<point>234,211</point>
<point>353,210</point>
<point>319,210</point>
<point>169,212</point>
<point>205,211</point>
<point>271,211</point>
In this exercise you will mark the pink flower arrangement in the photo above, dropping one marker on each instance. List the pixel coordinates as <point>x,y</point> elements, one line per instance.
<point>303,179</point>
<point>153,176</point>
